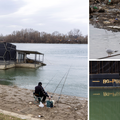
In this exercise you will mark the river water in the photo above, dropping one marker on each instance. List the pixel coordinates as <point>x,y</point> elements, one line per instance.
<point>104,104</point>
<point>100,40</point>
<point>59,59</point>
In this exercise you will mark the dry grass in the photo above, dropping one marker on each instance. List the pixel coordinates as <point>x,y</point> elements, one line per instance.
<point>7,117</point>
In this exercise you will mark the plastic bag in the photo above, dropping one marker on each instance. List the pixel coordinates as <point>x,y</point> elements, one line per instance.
<point>41,105</point>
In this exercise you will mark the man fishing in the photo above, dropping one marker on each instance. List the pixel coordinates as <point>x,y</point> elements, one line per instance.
<point>40,92</point>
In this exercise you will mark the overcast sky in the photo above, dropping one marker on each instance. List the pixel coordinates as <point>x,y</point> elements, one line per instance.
<point>43,15</point>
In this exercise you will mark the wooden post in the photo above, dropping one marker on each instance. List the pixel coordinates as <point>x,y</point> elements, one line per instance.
<point>25,58</point>
<point>35,60</point>
<point>43,59</point>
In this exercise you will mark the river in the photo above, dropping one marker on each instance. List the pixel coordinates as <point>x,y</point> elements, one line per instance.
<point>104,104</point>
<point>59,59</point>
<point>100,40</point>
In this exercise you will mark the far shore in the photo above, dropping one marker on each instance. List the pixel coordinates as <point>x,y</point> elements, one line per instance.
<point>49,43</point>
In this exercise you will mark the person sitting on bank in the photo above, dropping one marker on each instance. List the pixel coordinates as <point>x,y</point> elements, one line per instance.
<point>40,92</point>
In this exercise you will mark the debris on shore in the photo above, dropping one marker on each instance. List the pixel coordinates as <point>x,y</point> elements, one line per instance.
<point>105,14</point>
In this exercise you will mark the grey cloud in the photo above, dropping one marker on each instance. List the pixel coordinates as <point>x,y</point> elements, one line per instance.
<point>10,6</point>
<point>47,19</point>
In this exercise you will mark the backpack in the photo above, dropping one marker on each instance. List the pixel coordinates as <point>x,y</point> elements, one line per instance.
<point>49,104</point>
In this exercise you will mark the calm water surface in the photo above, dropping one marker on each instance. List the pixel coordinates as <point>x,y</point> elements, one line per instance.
<point>104,104</point>
<point>59,59</point>
<point>101,40</point>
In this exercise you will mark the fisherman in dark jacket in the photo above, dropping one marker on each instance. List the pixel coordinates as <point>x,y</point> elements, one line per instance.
<point>40,92</point>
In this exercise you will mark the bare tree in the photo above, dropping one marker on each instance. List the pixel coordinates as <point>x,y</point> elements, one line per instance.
<point>32,36</point>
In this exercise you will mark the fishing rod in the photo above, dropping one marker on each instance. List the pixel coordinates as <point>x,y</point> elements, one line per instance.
<point>64,84</point>
<point>50,80</point>
<point>48,61</point>
<point>58,85</point>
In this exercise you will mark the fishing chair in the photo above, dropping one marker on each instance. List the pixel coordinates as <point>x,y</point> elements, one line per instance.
<point>37,99</point>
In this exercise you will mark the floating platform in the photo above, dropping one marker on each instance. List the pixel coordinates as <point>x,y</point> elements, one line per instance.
<point>20,65</point>
<point>6,65</point>
<point>10,57</point>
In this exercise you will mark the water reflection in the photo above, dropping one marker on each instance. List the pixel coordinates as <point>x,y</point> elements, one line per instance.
<point>11,73</point>
<point>104,104</point>
<point>8,77</point>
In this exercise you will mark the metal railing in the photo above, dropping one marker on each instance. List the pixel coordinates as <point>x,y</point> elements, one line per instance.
<point>3,62</point>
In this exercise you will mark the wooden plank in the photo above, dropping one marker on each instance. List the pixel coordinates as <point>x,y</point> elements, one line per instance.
<point>109,56</point>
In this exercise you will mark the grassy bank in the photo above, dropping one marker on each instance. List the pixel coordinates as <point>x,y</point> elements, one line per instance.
<point>7,117</point>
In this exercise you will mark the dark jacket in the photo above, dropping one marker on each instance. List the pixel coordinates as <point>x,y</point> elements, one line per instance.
<point>39,91</point>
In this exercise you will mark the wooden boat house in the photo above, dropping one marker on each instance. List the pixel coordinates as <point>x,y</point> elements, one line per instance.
<point>11,57</point>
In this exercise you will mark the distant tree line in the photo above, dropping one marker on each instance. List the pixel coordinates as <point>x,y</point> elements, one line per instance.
<point>32,36</point>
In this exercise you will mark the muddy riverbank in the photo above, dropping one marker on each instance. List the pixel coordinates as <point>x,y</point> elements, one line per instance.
<point>20,101</point>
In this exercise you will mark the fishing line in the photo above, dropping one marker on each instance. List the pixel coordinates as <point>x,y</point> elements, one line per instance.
<point>58,84</point>
<point>63,84</point>
<point>48,61</point>
<point>50,80</point>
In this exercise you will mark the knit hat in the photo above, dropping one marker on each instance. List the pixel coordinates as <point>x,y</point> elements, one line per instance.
<point>39,83</point>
